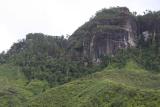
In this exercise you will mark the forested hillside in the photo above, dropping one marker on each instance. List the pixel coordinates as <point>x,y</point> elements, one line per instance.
<point>113,60</point>
<point>131,86</point>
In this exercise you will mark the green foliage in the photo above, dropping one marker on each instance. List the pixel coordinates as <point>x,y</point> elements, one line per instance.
<point>114,12</point>
<point>55,71</point>
<point>2,57</point>
<point>39,62</point>
<point>149,21</point>
<point>15,90</point>
<point>108,88</point>
<point>44,57</point>
<point>148,58</point>
<point>12,92</point>
<point>37,86</point>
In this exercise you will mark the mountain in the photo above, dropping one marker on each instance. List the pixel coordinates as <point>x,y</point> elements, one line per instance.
<point>113,60</point>
<point>110,30</point>
<point>113,29</point>
<point>112,36</point>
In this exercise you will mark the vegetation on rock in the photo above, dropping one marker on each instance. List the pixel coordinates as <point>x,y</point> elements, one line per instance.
<point>113,60</point>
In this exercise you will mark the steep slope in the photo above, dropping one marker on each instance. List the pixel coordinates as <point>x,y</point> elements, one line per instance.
<point>11,87</point>
<point>14,88</point>
<point>108,37</point>
<point>149,26</point>
<point>109,88</point>
<point>45,57</point>
<point>110,30</point>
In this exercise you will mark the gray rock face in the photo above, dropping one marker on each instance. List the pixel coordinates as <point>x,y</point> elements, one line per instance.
<point>108,31</point>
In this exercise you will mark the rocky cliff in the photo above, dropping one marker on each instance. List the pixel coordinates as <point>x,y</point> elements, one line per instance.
<point>149,28</point>
<point>105,33</point>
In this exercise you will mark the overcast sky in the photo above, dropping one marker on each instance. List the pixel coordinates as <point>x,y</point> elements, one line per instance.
<point>54,17</point>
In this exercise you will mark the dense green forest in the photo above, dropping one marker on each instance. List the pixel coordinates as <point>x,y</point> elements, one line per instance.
<point>51,71</point>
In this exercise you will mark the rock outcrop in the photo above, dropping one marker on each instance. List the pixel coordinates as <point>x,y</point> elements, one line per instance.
<point>110,30</point>
<point>149,28</point>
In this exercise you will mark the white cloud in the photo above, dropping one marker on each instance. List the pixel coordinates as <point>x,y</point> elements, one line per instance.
<point>54,17</point>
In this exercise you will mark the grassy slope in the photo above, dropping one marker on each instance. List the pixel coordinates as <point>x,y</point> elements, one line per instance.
<point>128,87</point>
<point>14,88</point>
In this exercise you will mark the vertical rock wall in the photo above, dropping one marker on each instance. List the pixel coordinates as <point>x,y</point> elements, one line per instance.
<point>108,31</point>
